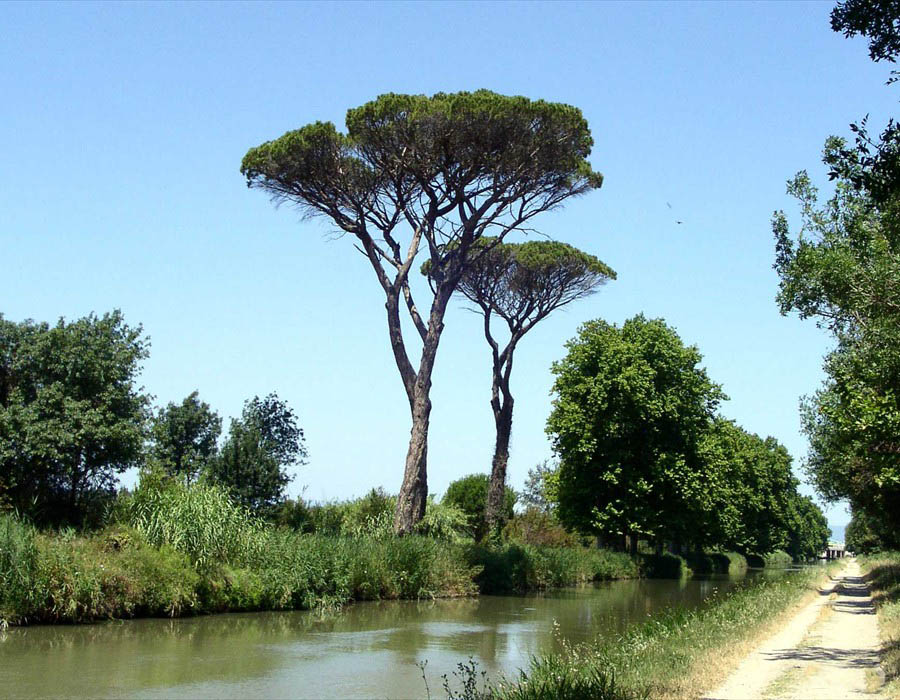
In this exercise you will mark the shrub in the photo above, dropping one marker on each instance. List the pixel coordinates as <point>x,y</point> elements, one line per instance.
<point>665,566</point>
<point>469,494</point>
<point>114,574</point>
<point>443,521</point>
<point>373,514</point>
<point>716,562</point>
<point>777,559</point>
<point>519,568</point>
<point>539,528</point>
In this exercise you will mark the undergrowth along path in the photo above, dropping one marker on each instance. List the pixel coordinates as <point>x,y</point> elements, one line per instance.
<point>828,650</point>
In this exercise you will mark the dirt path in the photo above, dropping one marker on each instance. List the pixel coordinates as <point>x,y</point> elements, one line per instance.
<point>828,650</point>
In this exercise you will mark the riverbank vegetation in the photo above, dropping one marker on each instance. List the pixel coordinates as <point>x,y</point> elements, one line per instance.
<point>208,527</point>
<point>182,550</point>
<point>882,573</point>
<point>678,654</point>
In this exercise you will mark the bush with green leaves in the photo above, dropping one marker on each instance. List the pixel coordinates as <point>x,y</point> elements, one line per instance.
<point>516,568</point>
<point>443,521</point>
<point>540,528</point>
<point>470,494</point>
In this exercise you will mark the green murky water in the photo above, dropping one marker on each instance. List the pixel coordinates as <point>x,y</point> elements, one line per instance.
<point>370,650</point>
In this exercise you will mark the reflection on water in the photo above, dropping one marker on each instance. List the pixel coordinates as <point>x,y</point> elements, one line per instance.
<point>368,650</point>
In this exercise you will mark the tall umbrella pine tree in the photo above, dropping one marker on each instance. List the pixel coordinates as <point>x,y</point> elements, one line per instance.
<point>436,173</point>
<point>520,284</point>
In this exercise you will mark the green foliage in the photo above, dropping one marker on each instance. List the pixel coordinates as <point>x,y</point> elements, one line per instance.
<point>524,282</point>
<point>865,535</point>
<point>516,568</point>
<point>842,267</point>
<point>469,494</point>
<point>716,562</point>
<point>183,438</point>
<point>665,565</point>
<point>372,515</point>
<point>808,530</point>
<point>443,521</point>
<point>71,417</point>
<point>18,563</point>
<point>113,574</point>
<point>882,573</point>
<point>778,559</point>
<point>511,140</point>
<point>540,486</point>
<point>631,407</point>
<point>540,528</point>
<point>199,520</point>
<point>879,20</point>
<point>251,464</point>
<point>664,656</point>
<point>752,504</point>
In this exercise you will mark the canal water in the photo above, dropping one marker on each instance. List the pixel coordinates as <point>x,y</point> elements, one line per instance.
<point>368,650</point>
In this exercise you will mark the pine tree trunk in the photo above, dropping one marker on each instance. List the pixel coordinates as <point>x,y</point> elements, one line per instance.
<point>496,503</point>
<point>414,490</point>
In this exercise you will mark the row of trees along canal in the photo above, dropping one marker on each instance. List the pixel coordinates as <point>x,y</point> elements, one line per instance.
<point>842,268</point>
<point>642,452</point>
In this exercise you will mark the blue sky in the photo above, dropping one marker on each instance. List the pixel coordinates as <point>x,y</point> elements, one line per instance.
<point>124,125</point>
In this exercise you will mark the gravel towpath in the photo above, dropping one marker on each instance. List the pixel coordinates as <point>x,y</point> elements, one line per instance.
<point>827,651</point>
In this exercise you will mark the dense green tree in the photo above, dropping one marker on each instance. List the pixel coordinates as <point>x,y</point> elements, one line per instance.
<point>71,415</point>
<point>520,284</point>
<point>749,501</point>
<point>436,173</point>
<point>260,445</point>
<point>183,438</point>
<point>469,494</point>
<point>807,529</point>
<point>865,534</point>
<point>631,408</point>
<point>842,267</point>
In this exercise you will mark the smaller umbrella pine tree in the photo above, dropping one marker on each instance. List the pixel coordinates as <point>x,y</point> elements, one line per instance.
<point>520,284</point>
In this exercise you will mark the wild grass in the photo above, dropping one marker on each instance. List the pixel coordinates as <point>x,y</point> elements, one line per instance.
<point>513,568</point>
<point>677,654</point>
<point>65,577</point>
<point>199,520</point>
<point>882,572</point>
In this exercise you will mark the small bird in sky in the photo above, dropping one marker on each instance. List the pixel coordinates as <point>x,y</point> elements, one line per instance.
<point>676,221</point>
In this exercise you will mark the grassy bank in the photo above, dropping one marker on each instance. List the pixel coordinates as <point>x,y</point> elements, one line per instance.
<point>677,654</point>
<point>118,573</point>
<point>882,571</point>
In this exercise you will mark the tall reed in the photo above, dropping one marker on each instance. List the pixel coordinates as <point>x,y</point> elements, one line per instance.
<point>18,562</point>
<point>199,520</point>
